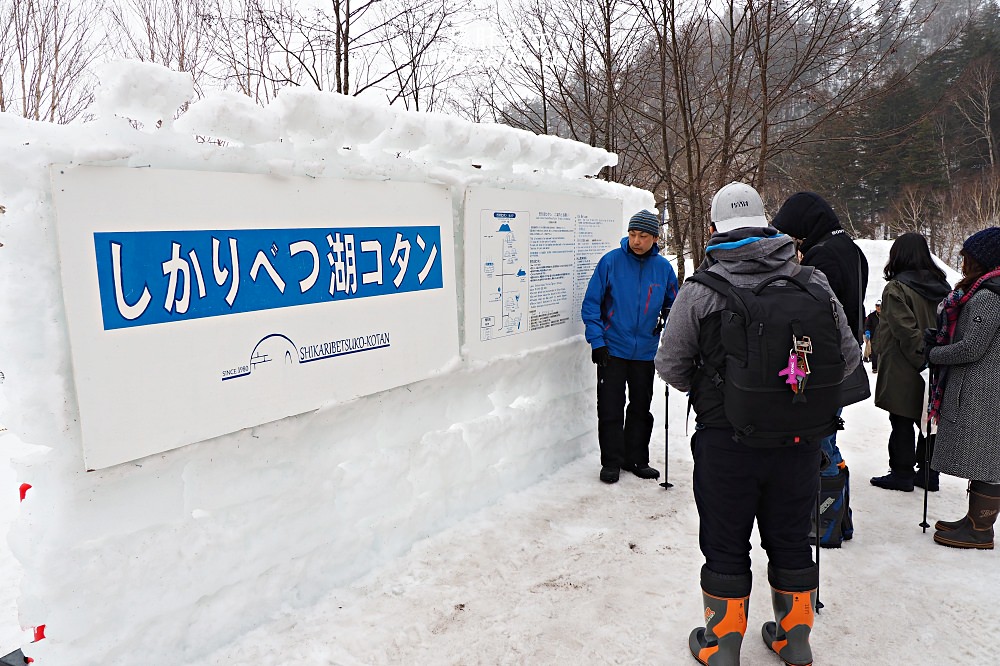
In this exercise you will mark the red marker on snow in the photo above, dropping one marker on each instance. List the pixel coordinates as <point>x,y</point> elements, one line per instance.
<point>24,490</point>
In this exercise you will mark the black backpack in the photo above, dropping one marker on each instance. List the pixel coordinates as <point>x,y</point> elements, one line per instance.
<point>759,327</point>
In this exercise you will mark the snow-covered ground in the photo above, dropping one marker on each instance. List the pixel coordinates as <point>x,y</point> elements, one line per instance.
<point>574,571</point>
<point>571,570</point>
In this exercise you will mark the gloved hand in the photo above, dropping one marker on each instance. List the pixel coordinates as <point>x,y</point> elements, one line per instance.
<point>868,335</point>
<point>930,342</point>
<point>661,321</point>
<point>600,356</point>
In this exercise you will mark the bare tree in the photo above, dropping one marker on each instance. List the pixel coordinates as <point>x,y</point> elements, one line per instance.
<point>974,102</point>
<point>913,209</point>
<point>517,75</point>
<point>742,84</point>
<point>396,47</point>
<point>970,205</point>
<point>172,33</point>
<point>421,49</point>
<point>47,49</point>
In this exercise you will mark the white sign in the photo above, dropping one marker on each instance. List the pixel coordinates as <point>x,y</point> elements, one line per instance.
<point>528,258</point>
<point>202,303</point>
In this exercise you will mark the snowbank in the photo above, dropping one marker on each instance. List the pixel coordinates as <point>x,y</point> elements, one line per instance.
<point>176,554</point>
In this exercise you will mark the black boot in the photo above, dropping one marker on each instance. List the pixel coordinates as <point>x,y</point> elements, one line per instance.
<point>788,635</point>
<point>977,531</point>
<point>609,474</point>
<point>931,476</point>
<point>642,470</point>
<point>894,481</point>
<point>726,600</point>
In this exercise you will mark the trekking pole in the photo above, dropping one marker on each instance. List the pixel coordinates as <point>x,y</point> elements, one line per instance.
<point>927,456</point>
<point>666,437</point>
<point>819,494</point>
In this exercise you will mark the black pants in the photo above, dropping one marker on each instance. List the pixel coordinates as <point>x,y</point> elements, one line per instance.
<point>902,442</point>
<point>734,484</point>
<point>624,441</point>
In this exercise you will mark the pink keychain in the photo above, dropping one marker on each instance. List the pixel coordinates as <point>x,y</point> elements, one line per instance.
<point>794,375</point>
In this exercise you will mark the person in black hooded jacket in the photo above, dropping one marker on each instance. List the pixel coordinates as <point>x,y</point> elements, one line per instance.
<point>808,218</point>
<point>823,244</point>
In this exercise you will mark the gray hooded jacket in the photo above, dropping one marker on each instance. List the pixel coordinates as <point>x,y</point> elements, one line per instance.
<point>745,257</point>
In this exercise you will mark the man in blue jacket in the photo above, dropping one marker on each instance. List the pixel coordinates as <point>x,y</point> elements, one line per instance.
<point>624,310</point>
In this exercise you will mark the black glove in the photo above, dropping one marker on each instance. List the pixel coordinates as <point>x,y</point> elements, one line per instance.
<point>930,342</point>
<point>600,356</point>
<point>661,321</point>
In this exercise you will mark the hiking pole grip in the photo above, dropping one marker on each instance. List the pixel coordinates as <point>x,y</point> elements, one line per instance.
<point>666,437</point>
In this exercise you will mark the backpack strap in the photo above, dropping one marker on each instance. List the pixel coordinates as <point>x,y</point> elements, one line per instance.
<point>717,283</point>
<point>720,285</point>
<point>712,280</point>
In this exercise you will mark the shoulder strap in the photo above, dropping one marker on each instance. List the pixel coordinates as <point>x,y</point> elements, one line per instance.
<point>711,280</point>
<point>720,284</point>
<point>806,273</point>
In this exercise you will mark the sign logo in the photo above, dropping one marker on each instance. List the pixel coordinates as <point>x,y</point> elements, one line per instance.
<point>277,351</point>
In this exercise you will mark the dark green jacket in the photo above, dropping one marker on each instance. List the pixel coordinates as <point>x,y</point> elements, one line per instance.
<point>909,305</point>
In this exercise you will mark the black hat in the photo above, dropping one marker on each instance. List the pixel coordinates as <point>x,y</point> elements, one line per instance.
<point>984,247</point>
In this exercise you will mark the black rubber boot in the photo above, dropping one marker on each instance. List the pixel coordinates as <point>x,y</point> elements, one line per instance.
<point>609,474</point>
<point>977,529</point>
<point>726,600</point>
<point>788,635</point>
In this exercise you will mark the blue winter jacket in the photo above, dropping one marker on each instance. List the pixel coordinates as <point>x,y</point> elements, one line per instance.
<point>624,300</point>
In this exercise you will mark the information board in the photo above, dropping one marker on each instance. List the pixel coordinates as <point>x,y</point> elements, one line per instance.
<point>529,257</point>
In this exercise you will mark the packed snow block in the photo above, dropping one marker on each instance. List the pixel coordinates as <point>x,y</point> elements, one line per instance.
<point>145,92</point>
<point>163,559</point>
<point>231,117</point>
<point>318,500</point>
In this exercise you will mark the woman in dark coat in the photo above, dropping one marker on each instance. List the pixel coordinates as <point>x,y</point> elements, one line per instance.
<point>964,354</point>
<point>914,287</point>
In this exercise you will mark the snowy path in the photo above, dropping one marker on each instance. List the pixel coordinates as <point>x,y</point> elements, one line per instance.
<point>574,571</point>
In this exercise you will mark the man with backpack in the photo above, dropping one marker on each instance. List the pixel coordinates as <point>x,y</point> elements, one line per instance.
<point>761,345</point>
<point>824,244</point>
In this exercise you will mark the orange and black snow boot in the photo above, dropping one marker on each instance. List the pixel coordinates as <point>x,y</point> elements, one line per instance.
<point>793,596</point>
<point>726,600</point>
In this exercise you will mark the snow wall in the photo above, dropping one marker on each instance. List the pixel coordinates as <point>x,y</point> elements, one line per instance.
<point>159,559</point>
